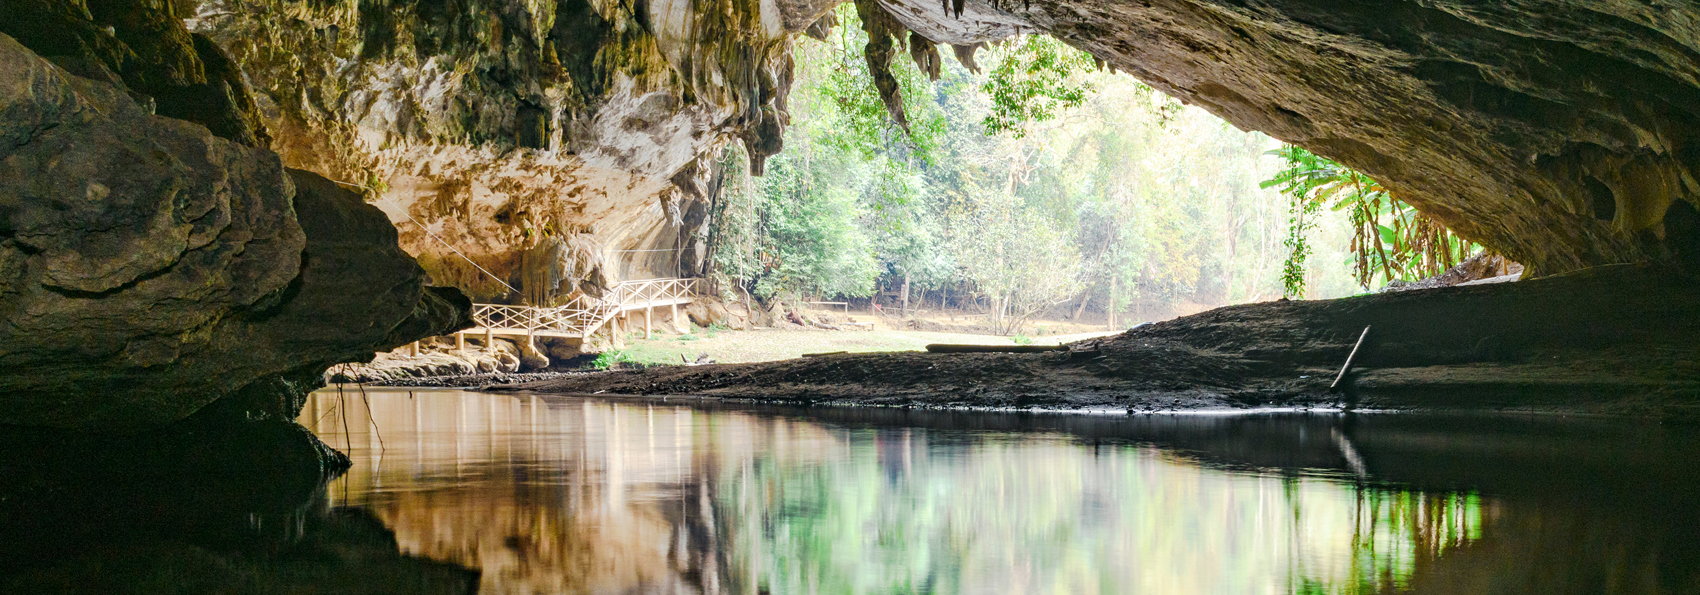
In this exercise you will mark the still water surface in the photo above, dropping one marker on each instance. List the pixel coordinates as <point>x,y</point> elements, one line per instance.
<point>549,494</point>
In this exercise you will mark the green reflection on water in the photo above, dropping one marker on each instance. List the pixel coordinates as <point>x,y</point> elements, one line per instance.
<point>897,514</point>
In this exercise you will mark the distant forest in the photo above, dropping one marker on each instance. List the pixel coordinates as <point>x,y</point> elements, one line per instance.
<point>1042,185</point>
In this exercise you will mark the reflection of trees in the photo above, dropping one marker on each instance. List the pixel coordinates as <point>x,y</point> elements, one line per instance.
<point>583,496</point>
<point>1041,515</point>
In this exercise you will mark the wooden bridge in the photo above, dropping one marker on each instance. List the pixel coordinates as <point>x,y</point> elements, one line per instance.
<point>581,317</point>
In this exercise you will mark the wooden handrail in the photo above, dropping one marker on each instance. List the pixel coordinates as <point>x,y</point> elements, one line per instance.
<point>581,315</point>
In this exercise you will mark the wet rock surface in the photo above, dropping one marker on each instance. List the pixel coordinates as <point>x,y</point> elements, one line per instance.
<point>148,267</point>
<point>1574,343</point>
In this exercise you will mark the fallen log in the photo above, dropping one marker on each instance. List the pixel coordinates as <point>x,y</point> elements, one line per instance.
<point>953,348</point>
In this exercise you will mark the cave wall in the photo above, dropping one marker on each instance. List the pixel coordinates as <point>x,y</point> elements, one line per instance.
<point>149,268</point>
<point>1556,131</point>
<point>500,124</point>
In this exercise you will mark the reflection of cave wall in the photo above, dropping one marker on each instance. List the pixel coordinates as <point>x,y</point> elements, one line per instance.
<point>550,495</point>
<point>607,498</point>
<point>1531,549</point>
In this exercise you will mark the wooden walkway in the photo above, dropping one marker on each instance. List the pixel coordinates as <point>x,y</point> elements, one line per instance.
<point>582,316</point>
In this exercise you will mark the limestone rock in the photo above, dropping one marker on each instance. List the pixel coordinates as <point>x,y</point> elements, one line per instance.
<point>495,123</point>
<point>434,360</point>
<point>184,74</point>
<point>1553,131</point>
<point>1477,268</point>
<point>148,267</point>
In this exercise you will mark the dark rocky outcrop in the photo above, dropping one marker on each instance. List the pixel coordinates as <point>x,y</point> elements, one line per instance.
<point>148,267</point>
<point>185,75</point>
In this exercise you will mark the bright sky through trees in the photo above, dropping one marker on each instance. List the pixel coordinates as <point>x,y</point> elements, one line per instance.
<point>1039,183</point>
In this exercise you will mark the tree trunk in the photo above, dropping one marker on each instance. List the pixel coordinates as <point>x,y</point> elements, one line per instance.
<point>905,294</point>
<point>1115,300</point>
<point>1085,298</point>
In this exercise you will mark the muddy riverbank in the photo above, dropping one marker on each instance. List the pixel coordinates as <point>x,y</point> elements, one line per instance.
<point>1613,341</point>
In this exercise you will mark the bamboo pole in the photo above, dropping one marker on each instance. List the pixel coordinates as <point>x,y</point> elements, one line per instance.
<point>1345,368</point>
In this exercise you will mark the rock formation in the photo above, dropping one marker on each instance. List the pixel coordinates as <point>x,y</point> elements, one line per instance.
<point>148,267</point>
<point>1551,130</point>
<point>500,124</point>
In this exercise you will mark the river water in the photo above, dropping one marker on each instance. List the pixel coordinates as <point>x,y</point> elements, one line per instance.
<point>545,494</point>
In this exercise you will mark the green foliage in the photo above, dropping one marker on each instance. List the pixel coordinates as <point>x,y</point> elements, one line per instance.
<point>1020,339</point>
<point>609,359</point>
<point>857,117</point>
<point>1121,199</point>
<point>1301,221</point>
<point>1391,239</point>
<point>1033,81</point>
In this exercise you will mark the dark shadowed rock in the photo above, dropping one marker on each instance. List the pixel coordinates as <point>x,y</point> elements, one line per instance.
<point>144,43</point>
<point>148,267</point>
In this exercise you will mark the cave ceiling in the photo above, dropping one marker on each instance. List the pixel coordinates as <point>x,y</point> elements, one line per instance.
<point>1555,131</point>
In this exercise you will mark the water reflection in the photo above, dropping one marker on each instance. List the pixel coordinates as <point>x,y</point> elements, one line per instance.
<point>564,495</point>
<point>193,508</point>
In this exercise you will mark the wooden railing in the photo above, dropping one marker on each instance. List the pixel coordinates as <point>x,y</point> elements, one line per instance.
<point>583,314</point>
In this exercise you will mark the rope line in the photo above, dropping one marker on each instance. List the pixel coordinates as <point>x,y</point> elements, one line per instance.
<point>439,240</point>
<point>457,252</point>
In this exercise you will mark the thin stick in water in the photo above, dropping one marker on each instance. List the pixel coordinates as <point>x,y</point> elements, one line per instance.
<point>371,418</point>
<point>1345,368</point>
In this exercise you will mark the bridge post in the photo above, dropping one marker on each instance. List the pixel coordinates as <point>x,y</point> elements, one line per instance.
<point>673,316</point>
<point>460,341</point>
<point>648,311</point>
<point>490,339</point>
<point>413,349</point>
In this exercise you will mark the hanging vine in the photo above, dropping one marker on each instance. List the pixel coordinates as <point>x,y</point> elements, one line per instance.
<point>1390,239</point>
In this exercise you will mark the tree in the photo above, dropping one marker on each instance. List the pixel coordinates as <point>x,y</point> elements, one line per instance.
<point>1014,256</point>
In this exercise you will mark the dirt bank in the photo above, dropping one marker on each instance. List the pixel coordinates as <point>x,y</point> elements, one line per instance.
<point>1612,340</point>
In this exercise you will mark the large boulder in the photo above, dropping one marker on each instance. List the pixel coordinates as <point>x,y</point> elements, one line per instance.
<point>148,267</point>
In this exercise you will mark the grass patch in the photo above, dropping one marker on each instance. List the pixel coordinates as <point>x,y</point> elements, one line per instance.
<point>610,358</point>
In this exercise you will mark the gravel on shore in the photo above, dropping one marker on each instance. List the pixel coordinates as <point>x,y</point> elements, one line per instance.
<point>473,380</point>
